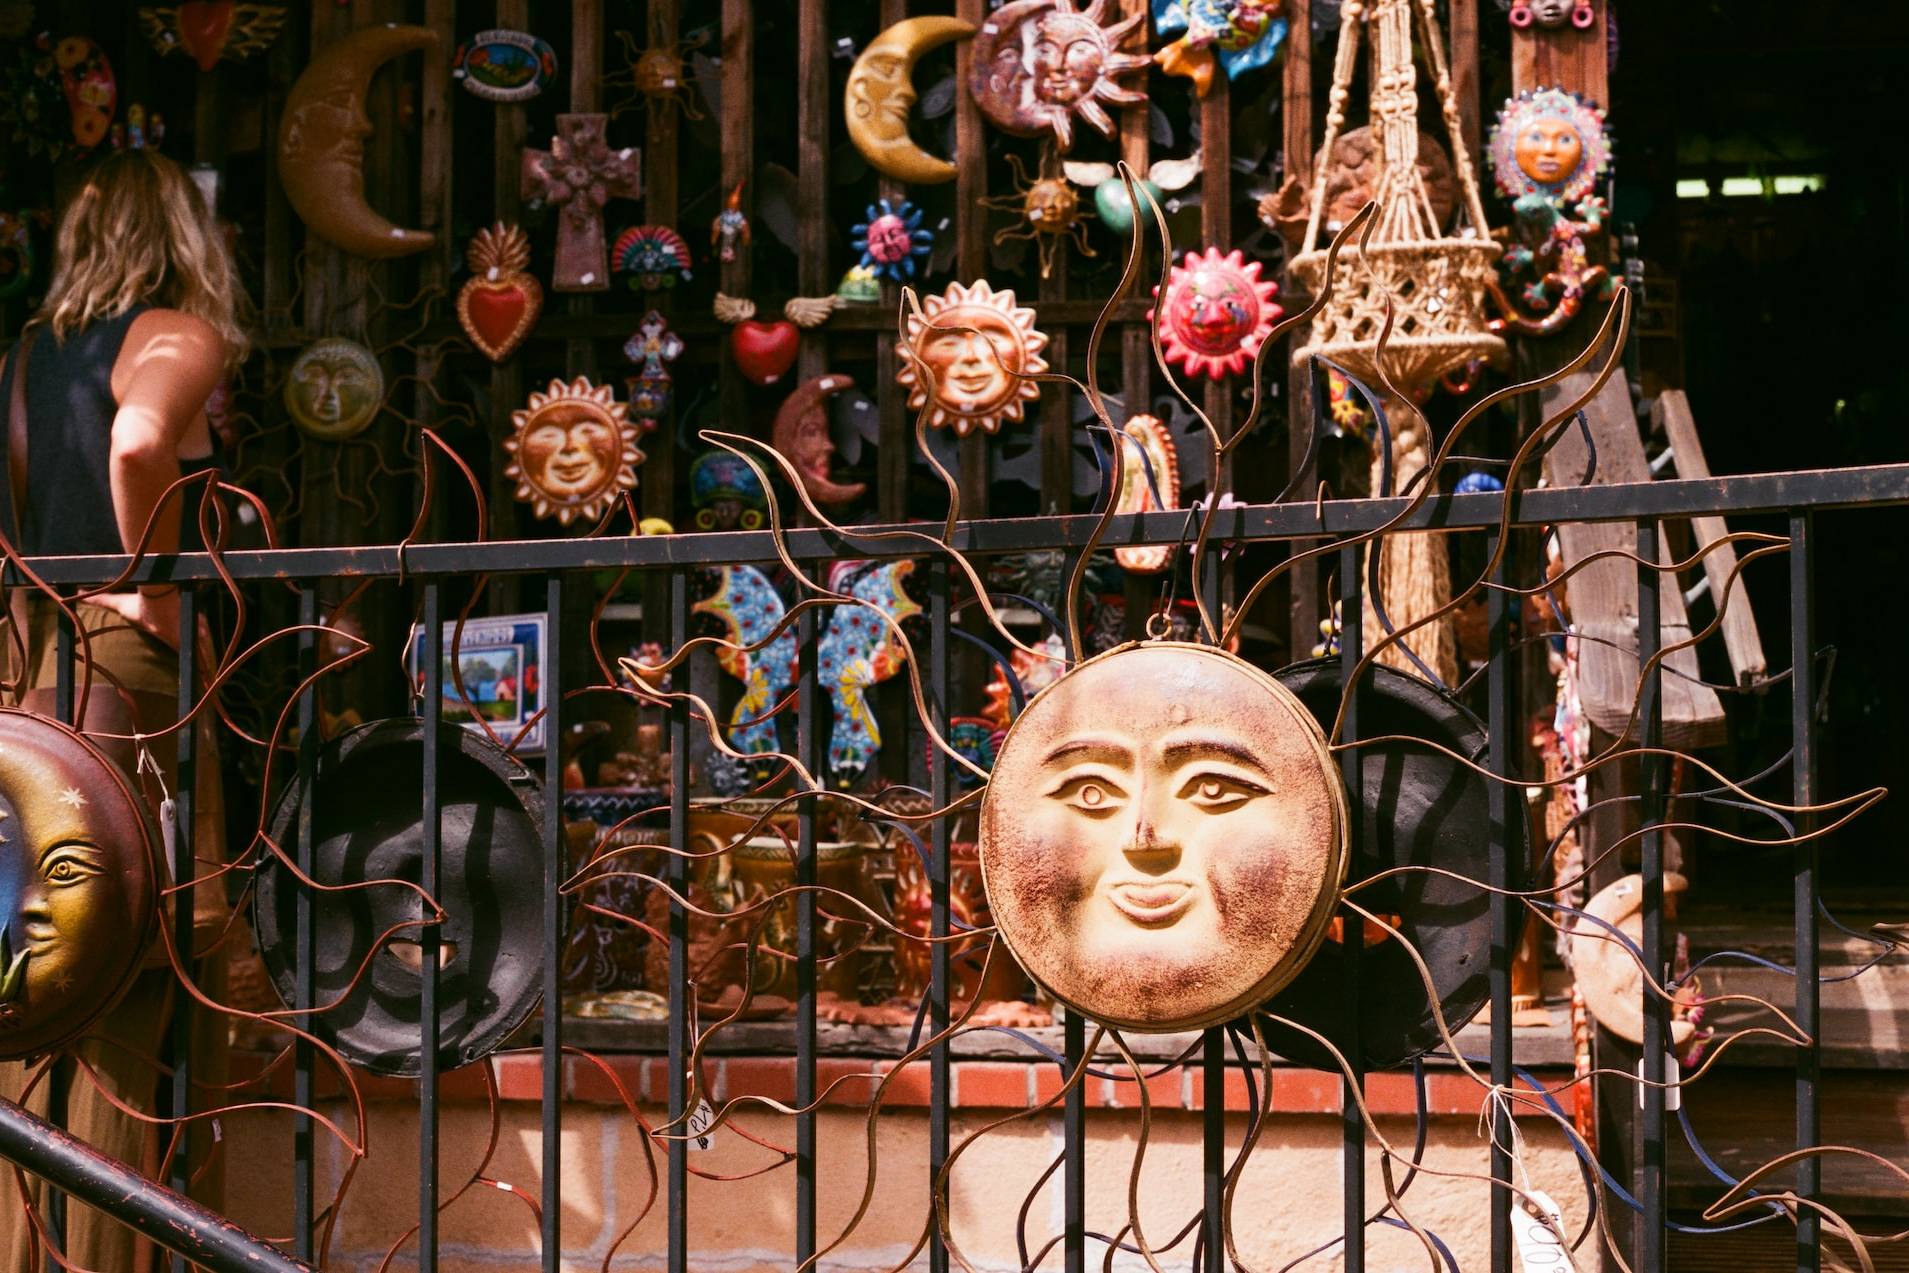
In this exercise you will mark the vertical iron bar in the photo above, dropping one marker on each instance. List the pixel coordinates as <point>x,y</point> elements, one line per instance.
<point>184,869</point>
<point>428,935</point>
<point>676,872</point>
<point>1352,927</point>
<point>1213,1056</point>
<point>1809,1060</point>
<point>1500,810</point>
<point>556,867</point>
<point>1213,1151</point>
<point>940,1089</point>
<point>1074,1147</point>
<point>59,1082</point>
<point>808,749</point>
<point>304,988</point>
<point>1650,1253</point>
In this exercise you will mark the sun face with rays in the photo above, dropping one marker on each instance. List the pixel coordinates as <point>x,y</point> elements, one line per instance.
<point>573,451</point>
<point>1216,313</point>
<point>978,345</point>
<point>1039,63</point>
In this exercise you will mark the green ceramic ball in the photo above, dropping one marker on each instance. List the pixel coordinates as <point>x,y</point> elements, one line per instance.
<point>1110,202</point>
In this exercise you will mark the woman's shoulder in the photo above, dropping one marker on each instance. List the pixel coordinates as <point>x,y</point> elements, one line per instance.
<point>176,327</point>
<point>170,347</point>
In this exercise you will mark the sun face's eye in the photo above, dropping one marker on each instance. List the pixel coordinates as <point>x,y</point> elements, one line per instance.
<point>69,864</point>
<point>1219,793</point>
<point>1089,793</point>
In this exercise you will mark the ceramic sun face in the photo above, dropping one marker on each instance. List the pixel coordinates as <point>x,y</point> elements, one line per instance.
<point>978,345</point>
<point>1216,313</point>
<point>1040,63</point>
<point>573,451</point>
<point>1550,144</point>
<point>1162,837</point>
<point>334,389</point>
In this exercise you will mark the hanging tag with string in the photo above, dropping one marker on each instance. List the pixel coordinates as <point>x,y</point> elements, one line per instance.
<point>1537,1222</point>
<point>146,764</point>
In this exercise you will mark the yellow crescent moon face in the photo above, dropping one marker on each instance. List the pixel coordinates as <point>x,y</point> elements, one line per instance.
<point>881,92</point>
<point>321,143</point>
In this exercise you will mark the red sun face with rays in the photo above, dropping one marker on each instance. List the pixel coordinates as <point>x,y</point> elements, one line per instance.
<point>1216,313</point>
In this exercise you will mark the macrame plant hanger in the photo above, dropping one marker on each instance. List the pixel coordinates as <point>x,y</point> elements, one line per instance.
<point>1436,284</point>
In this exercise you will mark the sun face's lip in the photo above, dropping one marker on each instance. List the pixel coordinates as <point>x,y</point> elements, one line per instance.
<point>1152,903</point>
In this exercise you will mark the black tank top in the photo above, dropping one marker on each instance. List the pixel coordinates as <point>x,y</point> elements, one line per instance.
<point>70,409</point>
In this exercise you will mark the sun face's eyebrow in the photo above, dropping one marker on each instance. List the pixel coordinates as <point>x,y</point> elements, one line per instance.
<point>1180,747</point>
<point>1091,747</point>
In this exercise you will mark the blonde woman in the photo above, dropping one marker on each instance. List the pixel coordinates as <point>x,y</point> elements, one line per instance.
<point>137,329</point>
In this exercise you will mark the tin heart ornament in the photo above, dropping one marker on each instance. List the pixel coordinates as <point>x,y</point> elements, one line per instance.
<point>764,351</point>
<point>499,303</point>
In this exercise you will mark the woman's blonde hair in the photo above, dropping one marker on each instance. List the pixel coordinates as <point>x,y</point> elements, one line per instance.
<point>138,231</point>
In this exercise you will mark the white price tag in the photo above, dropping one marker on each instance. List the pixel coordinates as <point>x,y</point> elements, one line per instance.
<point>700,1119</point>
<point>1538,1227</point>
<point>1673,1076</point>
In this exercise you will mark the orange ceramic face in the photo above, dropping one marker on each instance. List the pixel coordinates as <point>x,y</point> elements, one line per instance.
<point>1160,840</point>
<point>980,349</point>
<point>570,452</point>
<point>573,451</point>
<point>972,365</point>
<point>1548,150</point>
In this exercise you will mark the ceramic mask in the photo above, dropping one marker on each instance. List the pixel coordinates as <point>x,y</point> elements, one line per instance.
<point>972,340</point>
<point>573,451</point>
<point>334,389</point>
<point>1216,313</point>
<point>1162,837</point>
<point>1038,64</point>
<point>77,884</point>
<point>1551,144</point>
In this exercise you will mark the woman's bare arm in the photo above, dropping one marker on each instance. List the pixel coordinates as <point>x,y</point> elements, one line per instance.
<point>168,367</point>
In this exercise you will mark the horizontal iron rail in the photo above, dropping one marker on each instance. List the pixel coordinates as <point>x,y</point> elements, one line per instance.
<point>173,1221</point>
<point>1812,489</point>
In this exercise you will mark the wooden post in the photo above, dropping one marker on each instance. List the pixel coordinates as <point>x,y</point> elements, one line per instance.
<point>1304,608</point>
<point>1136,346</point>
<point>971,258</point>
<point>812,112</point>
<point>1563,57</point>
<point>896,448</point>
<point>738,171</point>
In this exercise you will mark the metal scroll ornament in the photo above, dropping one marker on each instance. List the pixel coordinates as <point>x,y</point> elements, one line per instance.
<point>1435,280</point>
<point>367,913</point>
<point>979,349</point>
<point>78,884</point>
<point>1163,837</point>
<point>573,451</point>
<point>1040,63</point>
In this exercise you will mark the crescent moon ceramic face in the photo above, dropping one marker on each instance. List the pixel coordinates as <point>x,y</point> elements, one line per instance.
<point>1161,837</point>
<point>334,389</point>
<point>973,340</point>
<point>573,451</point>
<point>1038,63</point>
<point>76,887</point>
<point>881,93</point>
<point>1216,313</point>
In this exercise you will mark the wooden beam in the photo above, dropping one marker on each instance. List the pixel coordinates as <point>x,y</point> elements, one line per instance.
<point>813,111</point>
<point>1136,347</point>
<point>663,470</point>
<point>1463,39</point>
<point>1563,57</point>
<point>586,97</point>
<point>1296,94</point>
<point>971,229</point>
<point>1671,413</point>
<point>509,131</point>
<point>895,449</point>
<point>738,171</point>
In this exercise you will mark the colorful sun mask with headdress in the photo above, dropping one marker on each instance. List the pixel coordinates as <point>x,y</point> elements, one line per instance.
<point>1216,313</point>
<point>573,451</point>
<point>1549,144</point>
<point>1039,63</point>
<point>978,349</point>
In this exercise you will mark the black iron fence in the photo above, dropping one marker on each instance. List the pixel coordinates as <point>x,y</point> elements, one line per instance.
<point>560,566</point>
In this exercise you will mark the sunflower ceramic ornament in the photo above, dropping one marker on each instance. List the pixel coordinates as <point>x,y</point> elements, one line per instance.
<point>968,356</point>
<point>573,451</point>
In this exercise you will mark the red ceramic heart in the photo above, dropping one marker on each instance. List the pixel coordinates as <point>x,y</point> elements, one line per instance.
<point>498,316</point>
<point>764,351</point>
<point>203,28</point>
